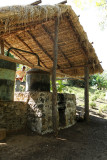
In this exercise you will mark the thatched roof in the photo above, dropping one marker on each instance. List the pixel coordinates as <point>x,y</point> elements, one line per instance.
<point>31,28</point>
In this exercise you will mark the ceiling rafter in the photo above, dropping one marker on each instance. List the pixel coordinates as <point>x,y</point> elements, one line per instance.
<point>36,3</point>
<point>6,46</point>
<point>41,47</point>
<point>20,39</point>
<point>78,37</point>
<point>29,25</point>
<point>52,39</point>
<point>16,52</point>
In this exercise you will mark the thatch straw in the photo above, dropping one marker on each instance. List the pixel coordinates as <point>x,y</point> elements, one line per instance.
<point>32,28</point>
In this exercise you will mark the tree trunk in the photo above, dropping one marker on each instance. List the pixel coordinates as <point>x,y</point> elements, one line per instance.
<point>86,71</point>
<point>54,94</point>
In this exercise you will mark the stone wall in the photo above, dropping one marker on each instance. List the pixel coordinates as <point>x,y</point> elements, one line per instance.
<point>39,117</point>
<point>13,115</point>
<point>34,111</point>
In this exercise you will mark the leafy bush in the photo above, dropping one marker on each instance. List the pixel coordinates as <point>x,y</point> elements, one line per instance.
<point>76,83</point>
<point>60,86</point>
<point>99,80</point>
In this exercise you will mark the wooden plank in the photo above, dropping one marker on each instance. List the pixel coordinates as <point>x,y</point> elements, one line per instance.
<point>86,71</point>
<point>2,46</point>
<point>15,60</point>
<point>54,94</point>
<point>22,62</point>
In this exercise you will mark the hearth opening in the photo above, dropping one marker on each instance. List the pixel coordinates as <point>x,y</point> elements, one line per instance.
<point>62,119</point>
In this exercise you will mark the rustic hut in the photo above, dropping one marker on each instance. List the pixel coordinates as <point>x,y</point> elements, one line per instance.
<point>53,39</point>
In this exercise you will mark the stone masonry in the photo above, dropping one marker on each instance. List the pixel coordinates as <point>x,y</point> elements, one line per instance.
<point>39,113</point>
<point>34,111</point>
<point>13,115</point>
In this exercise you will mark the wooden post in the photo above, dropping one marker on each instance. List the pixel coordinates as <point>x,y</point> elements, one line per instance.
<point>54,94</point>
<point>86,71</point>
<point>2,46</point>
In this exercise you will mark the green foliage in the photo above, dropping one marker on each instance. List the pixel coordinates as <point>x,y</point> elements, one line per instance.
<point>102,108</point>
<point>82,4</point>
<point>76,83</point>
<point>100,80</point>
<point>95,97</point>
<point>10,55</point>
<point>100,2</point>
<point>60,86</point>
<point>92,104</point>
<point>101,5</point>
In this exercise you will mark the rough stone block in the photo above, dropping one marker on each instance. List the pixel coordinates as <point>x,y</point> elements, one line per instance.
<point>2,134</point>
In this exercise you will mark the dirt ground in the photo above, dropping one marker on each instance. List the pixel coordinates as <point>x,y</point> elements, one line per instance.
<point>83,141</point>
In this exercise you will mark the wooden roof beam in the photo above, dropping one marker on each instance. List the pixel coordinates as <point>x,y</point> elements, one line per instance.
<point>36,3</point>
<point>25,44</point>
<point>63,2</point>
<point>16,60</point>
<point>12,51</point>
<point>50,36</point>
<point>7,45</point>
<point>41,47</point>
<point>22,62</point>
<point>20,56</point>
<point>78,38</point>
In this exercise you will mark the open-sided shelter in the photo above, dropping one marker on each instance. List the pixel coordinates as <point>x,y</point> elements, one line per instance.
<point>41,31</point>
<point>31,28</point>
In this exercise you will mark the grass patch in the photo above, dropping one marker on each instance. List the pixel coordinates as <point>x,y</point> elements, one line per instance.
<point>92,104</point>
<point>95,97</point>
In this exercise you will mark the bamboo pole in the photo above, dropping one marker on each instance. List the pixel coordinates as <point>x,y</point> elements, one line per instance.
<point>86,71</point>
<point>2,46</point>
<point>54,94</point>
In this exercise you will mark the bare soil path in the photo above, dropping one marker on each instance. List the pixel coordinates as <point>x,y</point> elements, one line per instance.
<point>83,141</point>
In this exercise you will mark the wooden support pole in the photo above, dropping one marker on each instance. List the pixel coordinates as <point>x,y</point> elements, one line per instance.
<point>86,71</point>
<point>54,94</point>
<point>2,46</point>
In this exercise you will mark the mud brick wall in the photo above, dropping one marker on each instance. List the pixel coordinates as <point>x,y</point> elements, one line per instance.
<point>13,115</point>
<point>39,115</point>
